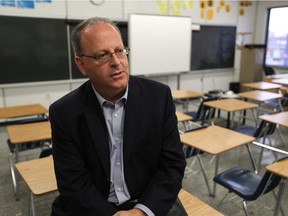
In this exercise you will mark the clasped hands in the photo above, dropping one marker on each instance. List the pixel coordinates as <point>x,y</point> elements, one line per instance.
<point>132,212</point>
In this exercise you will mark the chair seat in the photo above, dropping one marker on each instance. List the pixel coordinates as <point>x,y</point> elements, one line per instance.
<point>241,181</point>
<point>192,114</point>
<point>246,129</point>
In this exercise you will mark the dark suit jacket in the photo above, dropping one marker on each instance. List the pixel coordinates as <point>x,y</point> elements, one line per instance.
<point>153,157</point>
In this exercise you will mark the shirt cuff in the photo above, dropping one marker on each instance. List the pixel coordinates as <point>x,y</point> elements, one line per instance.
<point>145,209</point>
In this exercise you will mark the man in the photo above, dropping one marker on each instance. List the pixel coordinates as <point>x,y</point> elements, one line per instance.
<point>116,145</point>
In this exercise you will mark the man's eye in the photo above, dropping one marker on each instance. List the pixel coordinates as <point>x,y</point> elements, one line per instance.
<point>101,55</point>
<point>120,51</point>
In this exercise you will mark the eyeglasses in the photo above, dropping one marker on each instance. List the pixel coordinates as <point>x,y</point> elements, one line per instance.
<point>106,56</point>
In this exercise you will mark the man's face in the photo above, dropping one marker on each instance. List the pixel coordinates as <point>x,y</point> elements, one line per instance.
<point>108,77</point>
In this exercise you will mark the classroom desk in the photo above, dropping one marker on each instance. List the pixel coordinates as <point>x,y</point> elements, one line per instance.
<point>281,81</point>
<point>278,119</point>
<point>195,206</point>
<point>262,85</point>
<point>182,117</point>
<point>261,97</point>
<point>279,168</point>
<point>185,96</point>
<point>21,111</point>
<point>275,76</point>
<point>39,131</point>
<point>40,178</point>
<point>231,106</point>
<point>215,140</point>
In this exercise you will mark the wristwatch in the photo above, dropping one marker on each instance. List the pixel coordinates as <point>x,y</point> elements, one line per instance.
<point>97,2</point>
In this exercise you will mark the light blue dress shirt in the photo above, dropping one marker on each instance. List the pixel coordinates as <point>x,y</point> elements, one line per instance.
<point>114,117</point>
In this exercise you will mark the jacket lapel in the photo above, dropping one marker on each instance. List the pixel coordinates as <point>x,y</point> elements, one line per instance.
<point>97,129</point>
<point>134,110</point>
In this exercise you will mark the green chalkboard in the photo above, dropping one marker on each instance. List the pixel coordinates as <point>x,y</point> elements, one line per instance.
<point>33,49</point>
<point>213,47</point>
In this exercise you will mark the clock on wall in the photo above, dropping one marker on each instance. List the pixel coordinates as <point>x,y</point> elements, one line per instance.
<point>97,2</point>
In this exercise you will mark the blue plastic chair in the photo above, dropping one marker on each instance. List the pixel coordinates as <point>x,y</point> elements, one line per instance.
<point>247,184</point>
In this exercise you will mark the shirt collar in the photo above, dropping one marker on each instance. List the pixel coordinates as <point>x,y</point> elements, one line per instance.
<point>103,100</point>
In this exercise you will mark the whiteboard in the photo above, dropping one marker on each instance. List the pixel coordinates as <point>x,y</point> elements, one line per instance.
<point>159,44</point>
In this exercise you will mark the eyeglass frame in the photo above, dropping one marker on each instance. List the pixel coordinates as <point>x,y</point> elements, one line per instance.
<point>125,50</point>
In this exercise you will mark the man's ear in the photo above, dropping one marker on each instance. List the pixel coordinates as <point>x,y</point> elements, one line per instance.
<point>80,64</point>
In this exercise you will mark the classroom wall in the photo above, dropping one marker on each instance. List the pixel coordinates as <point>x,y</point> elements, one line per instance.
<point>203,81</point>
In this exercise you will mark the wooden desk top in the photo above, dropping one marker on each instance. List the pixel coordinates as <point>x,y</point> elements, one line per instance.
<point>195,206</point>
<point>22,111</point>
<point>215,139</point>
<point>261,85</point>
<point>277,118</point>
<point>280,168</point>
<point>183,117</point>
<point>275,76</point>
<point>186,94</point>
<point>282,81</point>
<point>29,132</point>
<point>39,175</point>
<point>260,96</point>
<point>230,105</point>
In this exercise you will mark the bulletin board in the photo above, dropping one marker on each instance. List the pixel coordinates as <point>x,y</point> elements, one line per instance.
<point>159,44</point>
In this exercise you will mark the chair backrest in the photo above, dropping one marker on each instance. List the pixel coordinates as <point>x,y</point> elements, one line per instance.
<point>284,101</point>
<point>46,152</point>
<point>264,128</point>
<point>269,71</point>
<point>204,112</point>
<point>268,183</point>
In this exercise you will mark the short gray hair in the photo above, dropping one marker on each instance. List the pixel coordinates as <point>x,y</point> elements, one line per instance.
<point>76,32</point>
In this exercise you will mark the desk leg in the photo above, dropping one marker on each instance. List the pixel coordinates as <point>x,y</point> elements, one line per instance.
<point>280,193</point>
<point>228,120</point>
<point>31,205</point>
<point>216,172</point>
<point>252,158</point>
<point>204,174</point>
<point>13,173</point>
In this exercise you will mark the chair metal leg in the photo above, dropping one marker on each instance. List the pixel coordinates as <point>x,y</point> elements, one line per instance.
<point>245,208</point>
<point>222,200</point>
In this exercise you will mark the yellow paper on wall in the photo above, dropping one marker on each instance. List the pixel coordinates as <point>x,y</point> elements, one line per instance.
<point>210,14</point>
<point>188,4</point>
<point>162,6</point>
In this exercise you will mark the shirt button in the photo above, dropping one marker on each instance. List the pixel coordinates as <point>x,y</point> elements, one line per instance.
<point>115,115</point>
<point>119,189</point>
<point>118,163</point>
